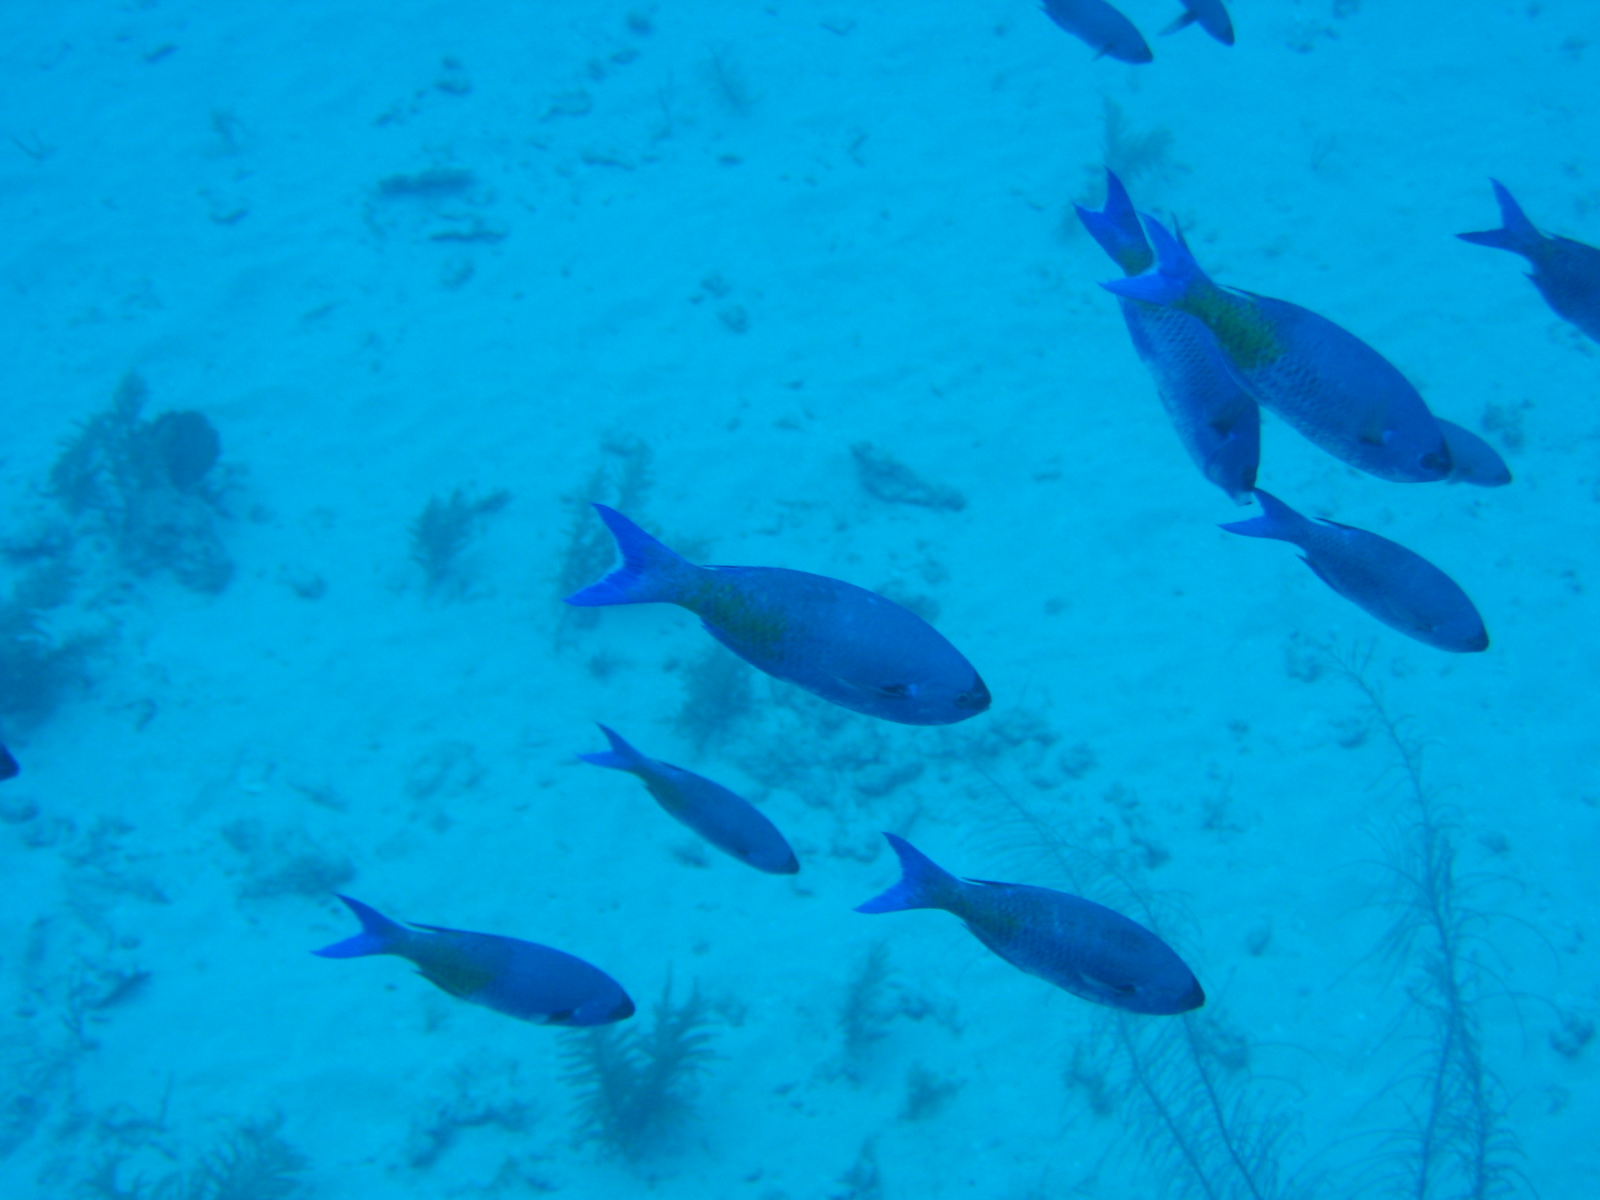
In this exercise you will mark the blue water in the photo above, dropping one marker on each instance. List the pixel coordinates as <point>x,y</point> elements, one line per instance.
<point>681,259</point>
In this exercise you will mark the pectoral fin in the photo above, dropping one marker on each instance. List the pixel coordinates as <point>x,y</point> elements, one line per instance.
<point>1372,428</point>
<point>1116,989</point>
<point>884,691</point>
<point>892,691</point>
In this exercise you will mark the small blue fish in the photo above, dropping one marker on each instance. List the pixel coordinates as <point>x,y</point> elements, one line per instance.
<point>729,822</point>
<point>1081,947</point>
<point>1473,460</point>
<point>841,642</point>
<point>1567,273</point>
<point>8,765</point>
<point>1105,29</point>
<point>1334,388</point>
<point>1216,419</point>
<point>1403,590</point>
<point>1212,16</point>
<point>523,980</point>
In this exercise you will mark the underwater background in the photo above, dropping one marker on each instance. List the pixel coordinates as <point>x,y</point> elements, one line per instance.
<point>792,284</point>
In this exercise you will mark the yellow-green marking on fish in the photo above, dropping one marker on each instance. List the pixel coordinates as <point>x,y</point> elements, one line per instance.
<point>1245,334</point>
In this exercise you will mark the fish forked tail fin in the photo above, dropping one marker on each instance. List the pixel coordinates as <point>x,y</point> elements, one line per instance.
<point>1116,228</point>
<point>923,883</point>
<point>1175,274</point>
<point>621,756</point>
<point>650,571</point>
<point>1516,234</point>
<point>1214,21</point>
<point>379,935</point>
<point>1277,521</point>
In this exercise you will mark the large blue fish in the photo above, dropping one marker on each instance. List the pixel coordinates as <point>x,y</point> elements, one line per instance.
<point>1329,384</point>
<point>1403,590</point>
<point>843,643</point>
<point>1105,29</point>
<point>1567,273</point>
<point>729,822</point>
<point>1082,947</point>
<point>1213,18</point>
<point>521,979</point>
<point>8,765</point>
<point>1216,419</point>
<point>1473,460</point>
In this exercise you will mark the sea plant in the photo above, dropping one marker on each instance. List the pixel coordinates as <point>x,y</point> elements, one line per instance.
<point>635,1083</point>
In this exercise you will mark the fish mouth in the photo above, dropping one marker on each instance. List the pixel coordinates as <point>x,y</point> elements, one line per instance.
<point>976,698</point>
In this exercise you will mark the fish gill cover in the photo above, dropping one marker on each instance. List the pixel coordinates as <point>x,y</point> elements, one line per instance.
<point>324,333</point>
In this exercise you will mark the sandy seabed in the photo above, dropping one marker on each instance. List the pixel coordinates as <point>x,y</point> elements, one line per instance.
<point>690,255</point>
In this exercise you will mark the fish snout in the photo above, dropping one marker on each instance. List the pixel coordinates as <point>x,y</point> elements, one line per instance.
<point>1437,464</point>
<point>976,698</point>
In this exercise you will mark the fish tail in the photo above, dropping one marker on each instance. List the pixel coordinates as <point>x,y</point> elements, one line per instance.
<point>923,883</point>
<point>1214,20</point>
<point>621,756</point>
<point>1277,521</point>
<point>650,572</point>
<point>379,935</point>
<point>1517,233</point>
<point>1176,270</point>
<point>1116,228</point>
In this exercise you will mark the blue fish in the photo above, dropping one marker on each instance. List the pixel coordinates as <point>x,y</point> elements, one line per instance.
<point>1403,590</point>
<point>8,765</point>
<point>1567,273</point>
<point>1331,386</point>
<point>841,642</point>
<point>729,822</point>
<point>1081,947</point>
<point>1105,29</point>
<point>1473,460</point>
<point>523,980</point>
<point>1216,419</point>
<point>1212,16</point>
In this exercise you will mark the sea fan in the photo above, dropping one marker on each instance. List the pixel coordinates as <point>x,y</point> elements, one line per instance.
<point>636,1084</point>
<point>1457,1142</point>
<point>251,1163</point>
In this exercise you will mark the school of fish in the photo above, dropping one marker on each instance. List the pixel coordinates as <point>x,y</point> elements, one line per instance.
<point>1217,355</point>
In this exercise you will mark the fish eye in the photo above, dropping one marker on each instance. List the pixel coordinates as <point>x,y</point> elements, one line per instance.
<point>976,698</point>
